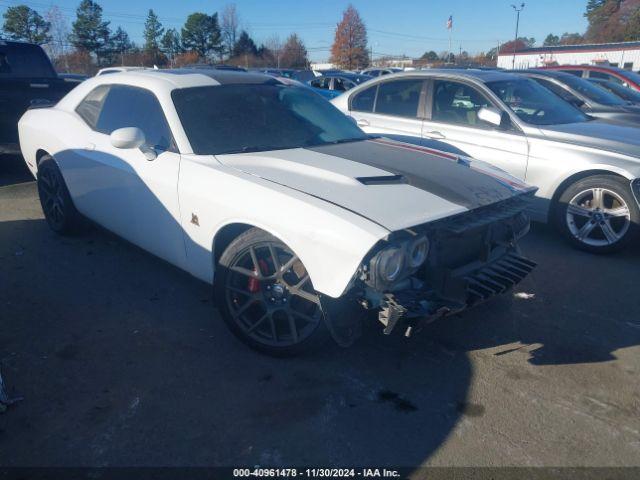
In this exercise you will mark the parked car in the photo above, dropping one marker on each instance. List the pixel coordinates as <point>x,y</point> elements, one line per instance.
<point>626,78</point>
<point>627,94</point>
<point>330,86</point>
<point>376,72</point>
<point>587,170</point>
<point>109,70</point>
<point>26,77</point>
<point>73,77</point>
<point>299,219</point>
<point>591,99</point>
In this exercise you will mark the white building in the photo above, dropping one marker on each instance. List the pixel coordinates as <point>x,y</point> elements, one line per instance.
<point>624,55</point>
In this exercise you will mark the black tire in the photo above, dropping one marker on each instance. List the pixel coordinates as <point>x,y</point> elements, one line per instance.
<point>259,311</point>
<point>601,222</point>
<point>59,210</point>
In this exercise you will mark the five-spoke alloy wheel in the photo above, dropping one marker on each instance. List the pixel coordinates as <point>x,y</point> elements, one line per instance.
<point>266,296</point>
<point>599,213</point>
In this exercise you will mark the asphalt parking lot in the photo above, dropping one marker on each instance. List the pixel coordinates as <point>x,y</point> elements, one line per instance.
<point>122,360</point>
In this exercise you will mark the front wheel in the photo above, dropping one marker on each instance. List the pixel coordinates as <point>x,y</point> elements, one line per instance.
<point>266,297</point>
<point>598,214</point>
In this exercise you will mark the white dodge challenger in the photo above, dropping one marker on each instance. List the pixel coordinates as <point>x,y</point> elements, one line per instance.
<point>299,219</point>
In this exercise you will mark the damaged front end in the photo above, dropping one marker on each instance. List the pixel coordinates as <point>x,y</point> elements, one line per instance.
<point>418,275</point>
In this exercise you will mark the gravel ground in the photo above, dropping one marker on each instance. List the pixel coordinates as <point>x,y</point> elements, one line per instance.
<point>122,360</point>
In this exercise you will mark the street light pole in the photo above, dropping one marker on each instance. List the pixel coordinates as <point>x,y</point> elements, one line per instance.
<point>515,42</point>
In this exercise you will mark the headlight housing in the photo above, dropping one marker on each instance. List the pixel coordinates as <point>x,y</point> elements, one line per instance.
<point>391,263</point>
<point>418,252</point>
<point>397,261</point>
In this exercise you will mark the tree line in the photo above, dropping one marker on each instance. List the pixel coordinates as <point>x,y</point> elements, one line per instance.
<point>91,43</point>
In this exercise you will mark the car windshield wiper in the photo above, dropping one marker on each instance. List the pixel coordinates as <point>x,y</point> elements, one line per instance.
<point>342,140</point>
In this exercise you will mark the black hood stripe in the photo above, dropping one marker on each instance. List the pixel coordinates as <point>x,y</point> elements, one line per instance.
<point>439,173</point>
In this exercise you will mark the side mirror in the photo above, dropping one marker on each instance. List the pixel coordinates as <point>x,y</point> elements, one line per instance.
<point>491,115</point>
<point>129,137</point>
<point>132,137</point>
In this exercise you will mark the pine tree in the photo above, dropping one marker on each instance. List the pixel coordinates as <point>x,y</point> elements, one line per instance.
<point>89,32</point>
<point>153,32</point>
<point>294,53</point>
<point>201,34</point>
<point>25,24</point>
<point>244,46</point>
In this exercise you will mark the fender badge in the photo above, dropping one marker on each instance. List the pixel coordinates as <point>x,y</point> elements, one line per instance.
<point>194,220</point>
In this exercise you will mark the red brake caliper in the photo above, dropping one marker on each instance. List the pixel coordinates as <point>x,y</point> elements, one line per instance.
<point>254,284</point>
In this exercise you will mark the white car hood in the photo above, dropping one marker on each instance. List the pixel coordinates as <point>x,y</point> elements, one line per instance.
<point>393,184</point>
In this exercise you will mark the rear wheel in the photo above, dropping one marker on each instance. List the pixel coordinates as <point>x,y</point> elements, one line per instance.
<point>58,208</point>
<point>598,214</point>
<point>266,297</point>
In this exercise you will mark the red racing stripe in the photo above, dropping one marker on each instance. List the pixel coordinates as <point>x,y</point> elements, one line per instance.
<point>416,148</point>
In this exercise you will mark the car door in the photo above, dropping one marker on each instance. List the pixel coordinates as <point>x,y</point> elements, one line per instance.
<point>123,190</point>
<point>392,108</point>
<point>452,117</point>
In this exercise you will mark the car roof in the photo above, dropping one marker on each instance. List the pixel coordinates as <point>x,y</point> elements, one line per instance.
<point>190,77</point>
<point>461,73</point>
<point>548,73</point>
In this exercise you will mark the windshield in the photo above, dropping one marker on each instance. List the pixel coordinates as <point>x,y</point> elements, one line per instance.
<point>249,118</point>
<point>591,91</point>
<point>534,104</point>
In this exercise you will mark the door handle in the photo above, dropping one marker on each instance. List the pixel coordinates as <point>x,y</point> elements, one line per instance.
<point>435,135</point>
<point>362,122</point>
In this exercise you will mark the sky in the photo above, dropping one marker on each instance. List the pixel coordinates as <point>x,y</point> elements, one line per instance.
<point>395,27</point>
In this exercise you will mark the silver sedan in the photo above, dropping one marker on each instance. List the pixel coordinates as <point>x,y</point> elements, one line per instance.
<point>587,170</point>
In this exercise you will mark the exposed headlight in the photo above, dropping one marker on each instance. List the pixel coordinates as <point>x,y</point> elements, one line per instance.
<point>418,251</point>
<point>391,263</point>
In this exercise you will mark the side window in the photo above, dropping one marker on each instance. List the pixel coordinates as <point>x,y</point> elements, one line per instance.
<point>604,76</point>
<point>342,84</point>
<point>322,82</point>
<point>135,107</point>
<point>89,108</point>
<point>399,97</point>
<point>577,73</point>
<point>457,103</point>
<point>363,101</point>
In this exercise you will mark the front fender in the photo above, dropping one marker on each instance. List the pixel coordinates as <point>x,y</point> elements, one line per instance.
<point>329,240</point>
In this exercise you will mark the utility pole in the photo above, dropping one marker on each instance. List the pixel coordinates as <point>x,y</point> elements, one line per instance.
<point>515,42</point>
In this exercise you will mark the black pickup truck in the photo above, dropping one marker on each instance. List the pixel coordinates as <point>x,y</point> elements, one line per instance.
<point>26,78</point>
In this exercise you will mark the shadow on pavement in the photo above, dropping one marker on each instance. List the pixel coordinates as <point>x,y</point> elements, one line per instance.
<point>123,361</point>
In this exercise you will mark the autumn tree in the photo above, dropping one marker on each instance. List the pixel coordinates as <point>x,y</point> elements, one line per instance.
<point>294,53</point>
<point>516,45</point>
<point>25,24</point>
<point>613,20</point>
<point>349,49</point>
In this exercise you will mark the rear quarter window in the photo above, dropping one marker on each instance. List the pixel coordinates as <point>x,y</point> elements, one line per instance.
<point>23,60</point>
<point>89,109</point>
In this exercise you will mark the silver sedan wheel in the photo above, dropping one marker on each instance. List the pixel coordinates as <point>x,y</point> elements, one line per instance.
<point>598,217</point>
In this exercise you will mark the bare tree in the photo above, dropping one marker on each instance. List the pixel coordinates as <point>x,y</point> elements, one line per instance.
<point>229,25</point>
<point>59,31</point>
<point>274,45</point>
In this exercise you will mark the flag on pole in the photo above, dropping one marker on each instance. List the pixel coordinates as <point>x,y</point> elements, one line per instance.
<point>450,22</point>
